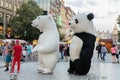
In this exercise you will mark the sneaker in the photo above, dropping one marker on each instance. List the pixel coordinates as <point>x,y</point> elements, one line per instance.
<point>7,69</point>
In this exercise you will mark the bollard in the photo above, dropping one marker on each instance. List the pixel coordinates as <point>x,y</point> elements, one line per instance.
<point>13,76</point>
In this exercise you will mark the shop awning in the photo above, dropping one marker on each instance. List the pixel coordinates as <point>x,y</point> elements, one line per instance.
<point>105,40</point>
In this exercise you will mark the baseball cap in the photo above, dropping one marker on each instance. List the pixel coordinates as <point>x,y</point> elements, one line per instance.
<point>17,41</point>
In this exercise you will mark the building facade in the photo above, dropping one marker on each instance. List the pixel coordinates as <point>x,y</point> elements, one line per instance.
<point>68,14</point>
<point>44,4</point>
<point>107,35</point>
<point>115,34</point>
<point>7,11</point>
<point>61,14</point>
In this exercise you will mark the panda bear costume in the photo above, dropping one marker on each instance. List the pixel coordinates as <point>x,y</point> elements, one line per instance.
<point>82,44</point>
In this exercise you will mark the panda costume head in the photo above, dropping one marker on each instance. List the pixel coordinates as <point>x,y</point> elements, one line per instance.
<point>82,23</point>
<point>82,44</point>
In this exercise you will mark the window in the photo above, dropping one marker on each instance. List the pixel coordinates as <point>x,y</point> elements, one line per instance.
<point>1,17</point>
<point>7,18</point>
<point>7,4</point>
<point>2,2</point>
<point>10,5</point>
<point>15,7</point>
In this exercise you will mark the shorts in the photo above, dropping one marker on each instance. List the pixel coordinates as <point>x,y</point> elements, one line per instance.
<point>7,58</point>
<point>113,54</point>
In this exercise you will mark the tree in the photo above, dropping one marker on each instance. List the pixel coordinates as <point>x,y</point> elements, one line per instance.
<point>118,21</point>
<point>21,23</point>
<point>118,36</point>
<point>58,23</point>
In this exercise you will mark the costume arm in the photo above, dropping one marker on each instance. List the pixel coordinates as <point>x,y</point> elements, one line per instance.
<point>87,52</point>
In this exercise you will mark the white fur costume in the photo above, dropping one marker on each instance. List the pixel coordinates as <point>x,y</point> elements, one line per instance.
<point>48,43</point>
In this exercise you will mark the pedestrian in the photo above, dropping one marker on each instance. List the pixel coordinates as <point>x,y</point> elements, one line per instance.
<point>61,51</point>
<point>103,51</point>
<point>7,56</point>
<point>65,52</point>
<point>10,48</point>
<point>29,50</point>
<point>68,50</point>
<point>113,52</point>
<point>24,52</point>
<point>0,51</point>
<point>117,54</point>
<point>17,53</point>
<point>34,55</point>
<point>2,48</point>
<point>98,48</point>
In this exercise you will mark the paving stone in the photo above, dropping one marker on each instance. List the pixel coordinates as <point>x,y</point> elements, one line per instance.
<point>100,70</point>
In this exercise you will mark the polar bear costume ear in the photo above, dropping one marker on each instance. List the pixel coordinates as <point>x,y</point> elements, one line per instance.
<point>90,16</point>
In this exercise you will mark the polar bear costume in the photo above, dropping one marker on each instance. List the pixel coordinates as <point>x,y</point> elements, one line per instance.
<point>48,43</point>
<point>82,44</point>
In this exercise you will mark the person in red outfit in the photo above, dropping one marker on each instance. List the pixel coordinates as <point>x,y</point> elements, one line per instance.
<point>17,53</point>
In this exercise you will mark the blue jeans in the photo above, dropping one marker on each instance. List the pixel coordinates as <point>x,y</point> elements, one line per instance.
<point>103,56</point>
<point>62,54</point>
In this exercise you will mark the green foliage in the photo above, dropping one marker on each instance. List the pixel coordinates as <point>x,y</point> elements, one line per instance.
<point>118,20</point>
<point>61,35</point>
<point>21,23</point>
<point>118,36</point>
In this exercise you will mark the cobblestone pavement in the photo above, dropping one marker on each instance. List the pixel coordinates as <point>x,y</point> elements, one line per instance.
<point>100,70</point>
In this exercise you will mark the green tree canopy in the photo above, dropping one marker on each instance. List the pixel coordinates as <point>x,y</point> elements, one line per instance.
<point>21,23</point>
<point>118,20</point>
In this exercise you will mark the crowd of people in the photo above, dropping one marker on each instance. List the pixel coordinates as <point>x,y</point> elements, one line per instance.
<point>15,52</point>
<point>114,51</point>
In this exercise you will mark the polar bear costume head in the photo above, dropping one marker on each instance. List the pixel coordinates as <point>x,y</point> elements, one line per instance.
<point>82,22</point>
<point>40,22</point>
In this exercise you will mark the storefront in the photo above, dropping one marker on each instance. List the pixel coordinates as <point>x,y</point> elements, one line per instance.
<point>107,42</point>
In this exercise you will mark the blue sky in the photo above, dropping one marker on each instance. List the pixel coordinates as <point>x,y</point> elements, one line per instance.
<point>105,11</point>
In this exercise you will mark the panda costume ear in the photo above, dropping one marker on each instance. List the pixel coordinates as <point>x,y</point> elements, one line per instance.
<point>90,16</point>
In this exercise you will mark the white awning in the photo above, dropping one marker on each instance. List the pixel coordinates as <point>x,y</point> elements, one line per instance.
<point>10,40</point>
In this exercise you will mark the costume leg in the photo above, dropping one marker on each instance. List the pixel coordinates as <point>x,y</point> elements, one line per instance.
<point>72,67</point>
<point>81,67</point>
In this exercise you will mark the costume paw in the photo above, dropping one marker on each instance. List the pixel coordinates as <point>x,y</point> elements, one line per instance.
<point>47,71</point>
<point>70,71</point>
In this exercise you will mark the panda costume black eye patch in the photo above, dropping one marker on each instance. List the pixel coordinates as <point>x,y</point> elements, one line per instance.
<point>76,21</point>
